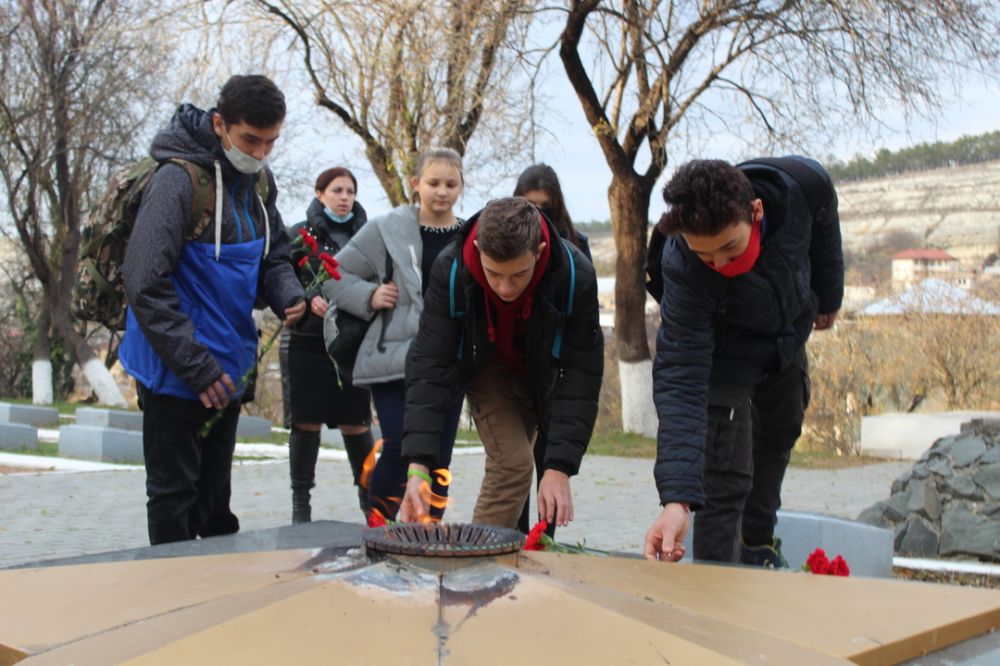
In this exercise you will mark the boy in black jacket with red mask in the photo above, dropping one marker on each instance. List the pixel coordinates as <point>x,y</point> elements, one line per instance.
<point>751,265</point>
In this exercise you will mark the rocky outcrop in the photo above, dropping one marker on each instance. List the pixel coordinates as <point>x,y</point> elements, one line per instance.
<point>948,504</point>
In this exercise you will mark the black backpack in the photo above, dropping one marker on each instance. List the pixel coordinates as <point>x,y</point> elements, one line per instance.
<point>809,174</point>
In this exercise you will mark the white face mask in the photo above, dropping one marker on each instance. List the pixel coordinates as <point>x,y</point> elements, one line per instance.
<point>242,162</point>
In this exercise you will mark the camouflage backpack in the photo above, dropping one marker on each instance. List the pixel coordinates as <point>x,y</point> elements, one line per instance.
<point>100,292</point>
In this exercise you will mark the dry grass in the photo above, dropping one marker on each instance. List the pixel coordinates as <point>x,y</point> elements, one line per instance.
<point>7,469</point>
<point>948,578</point>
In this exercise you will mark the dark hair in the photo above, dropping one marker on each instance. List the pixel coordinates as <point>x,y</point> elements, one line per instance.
<point>705,197</point>
<point>252,98</point>
<point>508,228</point>
<point>328,176</point>
<point>543,177</point>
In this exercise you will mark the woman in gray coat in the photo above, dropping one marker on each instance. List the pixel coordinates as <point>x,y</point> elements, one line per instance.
<point>410,237</point>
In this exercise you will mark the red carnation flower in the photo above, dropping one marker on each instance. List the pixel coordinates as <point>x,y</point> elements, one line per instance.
<point>376,519</point>
<point>838,567</point>
<point>324,256</point>
<point>303,261</point>
<point>533,542</point>
<point>308,240</point>
<point>817,562</point>
<point>331,270</point>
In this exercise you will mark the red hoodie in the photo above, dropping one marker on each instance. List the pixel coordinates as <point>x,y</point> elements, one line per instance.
<point>508,332</point>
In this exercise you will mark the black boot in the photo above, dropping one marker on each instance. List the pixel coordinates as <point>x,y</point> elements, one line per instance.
<point>358,447</point>
<point>303,450</point>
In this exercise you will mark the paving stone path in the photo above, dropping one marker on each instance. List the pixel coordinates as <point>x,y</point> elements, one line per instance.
<point>50,515</point>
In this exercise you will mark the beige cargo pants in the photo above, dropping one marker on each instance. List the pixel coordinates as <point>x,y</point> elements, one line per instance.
<point>507,420</point>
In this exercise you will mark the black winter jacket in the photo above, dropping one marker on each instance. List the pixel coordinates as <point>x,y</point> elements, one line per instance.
<point>735,330</point>
<point>450,351</point>
<point>330,237</point>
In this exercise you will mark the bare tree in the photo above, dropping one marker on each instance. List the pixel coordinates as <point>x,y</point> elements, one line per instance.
<point>774,73</point>
<point>404,75</point>
<point>78,81</point>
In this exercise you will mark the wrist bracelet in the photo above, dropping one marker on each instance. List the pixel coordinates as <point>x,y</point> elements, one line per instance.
<point>423,475</point>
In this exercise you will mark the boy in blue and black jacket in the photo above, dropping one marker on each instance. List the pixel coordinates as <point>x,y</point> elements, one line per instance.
<point>190,337</point>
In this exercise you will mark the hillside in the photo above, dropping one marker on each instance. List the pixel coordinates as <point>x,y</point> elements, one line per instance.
<point>956,209</point>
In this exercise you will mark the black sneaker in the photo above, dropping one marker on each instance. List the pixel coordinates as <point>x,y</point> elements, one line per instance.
<point>768,556</point>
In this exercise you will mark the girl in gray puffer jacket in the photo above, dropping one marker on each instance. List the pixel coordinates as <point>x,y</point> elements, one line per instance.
<point>411,238</point>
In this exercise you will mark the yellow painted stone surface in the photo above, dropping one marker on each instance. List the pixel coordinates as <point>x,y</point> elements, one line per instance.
<point>284,607</point>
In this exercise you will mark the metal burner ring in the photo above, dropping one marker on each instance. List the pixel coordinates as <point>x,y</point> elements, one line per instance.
<point>442,540</point>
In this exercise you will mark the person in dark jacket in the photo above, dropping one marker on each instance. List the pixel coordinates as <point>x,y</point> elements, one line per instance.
<point>190,336</point>
<point>748,273</point>
<point>318,391</point>
<point>539,184</point>
<point>510,319</point>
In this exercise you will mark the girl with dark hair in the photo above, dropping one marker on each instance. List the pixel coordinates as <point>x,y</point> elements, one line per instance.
<point>317,393</point>
<point>540,185</point>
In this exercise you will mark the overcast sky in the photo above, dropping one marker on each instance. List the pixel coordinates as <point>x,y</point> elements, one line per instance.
<point>574,154</point>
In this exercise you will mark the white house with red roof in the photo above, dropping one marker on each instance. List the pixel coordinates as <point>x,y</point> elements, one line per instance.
<point>912,266</point>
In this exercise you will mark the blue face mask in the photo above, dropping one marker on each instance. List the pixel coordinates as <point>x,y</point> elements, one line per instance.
<point>337,218</point>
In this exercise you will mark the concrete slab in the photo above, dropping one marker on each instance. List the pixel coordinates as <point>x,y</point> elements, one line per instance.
<point>103,444</point>
<point>253,426</point>
<point>17,436</point>
<point>867,549</point>
<point>30,414</point>
<point>907,436</point>
<point>322,534</point>
<point>109,418</point>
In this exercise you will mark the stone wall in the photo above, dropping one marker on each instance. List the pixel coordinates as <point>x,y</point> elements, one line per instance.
<point>948,504</point>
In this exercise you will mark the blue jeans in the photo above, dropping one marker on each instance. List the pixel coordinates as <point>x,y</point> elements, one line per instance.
<point>388,480</point>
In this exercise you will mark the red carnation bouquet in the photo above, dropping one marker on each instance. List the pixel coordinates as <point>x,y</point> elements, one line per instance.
<point>818,563</point>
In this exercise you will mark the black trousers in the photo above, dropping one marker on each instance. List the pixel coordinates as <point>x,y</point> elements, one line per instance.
<point>751,433</point>
<point>186,474</point>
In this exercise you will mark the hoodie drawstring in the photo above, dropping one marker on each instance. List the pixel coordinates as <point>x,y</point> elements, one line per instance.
<point>267,222</point>
<point>218,209</point>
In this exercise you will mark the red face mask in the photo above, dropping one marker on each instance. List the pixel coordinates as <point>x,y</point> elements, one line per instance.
<point>743,263</point>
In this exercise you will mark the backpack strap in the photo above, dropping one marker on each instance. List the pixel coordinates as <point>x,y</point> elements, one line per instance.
<point>452,307</point>
<point>386,312</point>
<point>568,312</point>
<point>203,206</point>
<point>815,184</point>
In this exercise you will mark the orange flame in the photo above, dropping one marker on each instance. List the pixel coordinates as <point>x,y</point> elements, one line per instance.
<point>386,507</point>
<point>443,476</point>
<point>432,498</point>
<point>369,465</point>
